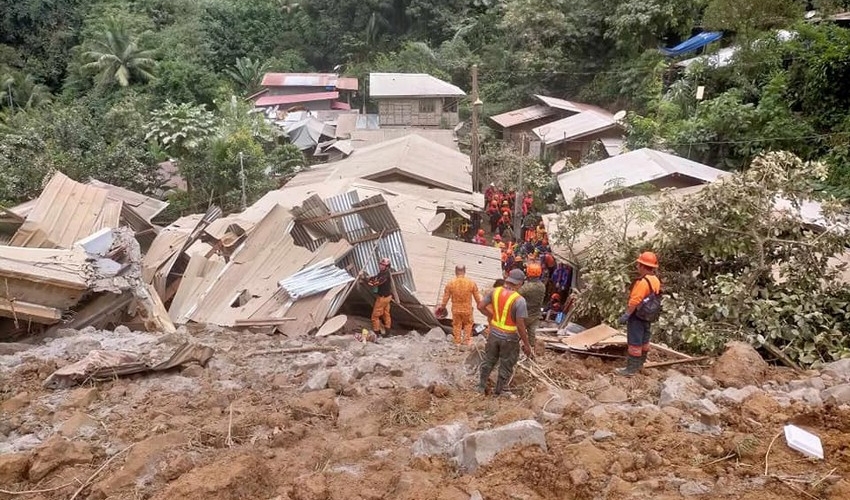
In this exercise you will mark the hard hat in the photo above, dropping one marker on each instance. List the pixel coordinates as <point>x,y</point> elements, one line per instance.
<point>384,262</point>
<point>505,202</point>
<point>480,232</point>
<point>498,237</point>
<point>555,296</point>
<point>534,270</point>
<point>648,259</point>
<point>492,184</point>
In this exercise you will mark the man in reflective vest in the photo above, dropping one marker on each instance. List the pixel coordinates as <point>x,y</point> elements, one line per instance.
<point>506,311</point>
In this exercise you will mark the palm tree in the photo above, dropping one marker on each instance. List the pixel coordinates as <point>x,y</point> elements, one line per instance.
<point>247,74</point>
<point>117,58</point>
<point>18,90</point>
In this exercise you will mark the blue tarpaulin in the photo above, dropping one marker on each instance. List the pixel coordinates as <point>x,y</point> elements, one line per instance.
<point>693,43</point>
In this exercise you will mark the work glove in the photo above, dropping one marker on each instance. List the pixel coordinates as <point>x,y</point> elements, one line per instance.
<point>624,318</point>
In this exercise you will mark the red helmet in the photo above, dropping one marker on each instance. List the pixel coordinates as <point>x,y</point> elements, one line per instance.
<point>555,296</point>
<point>498,237</point>
<point>480,232</point>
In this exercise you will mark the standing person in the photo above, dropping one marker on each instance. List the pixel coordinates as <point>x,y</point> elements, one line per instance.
<point>479,238</point>
<point>534,293</point>
<point>643,308</point>
<point>383,287</point>
<point>463,292</point>
<point>506,311</point>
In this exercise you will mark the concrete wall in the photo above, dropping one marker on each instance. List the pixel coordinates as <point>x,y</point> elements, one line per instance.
<point>416,112</point>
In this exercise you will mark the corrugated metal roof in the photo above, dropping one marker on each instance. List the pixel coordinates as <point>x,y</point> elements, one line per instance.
<point>276,100</point>
<point>410,85</point>
<point>309,80</point>
<point>554,102</point>
<point>412,157</point>
<point>314,279</point>
<point>433,259</point>
<point>523,115</point>
<point>632,169</point>
<point>361,139</point>
<point>613,146</point>
<point>67,211</point>
<point>145,206</point>
<point>574,127</point>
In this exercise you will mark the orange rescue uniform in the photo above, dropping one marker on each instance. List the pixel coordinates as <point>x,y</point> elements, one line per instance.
<point>461,291</point>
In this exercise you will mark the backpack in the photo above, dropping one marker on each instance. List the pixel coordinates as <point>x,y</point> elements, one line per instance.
<point>649,308</point>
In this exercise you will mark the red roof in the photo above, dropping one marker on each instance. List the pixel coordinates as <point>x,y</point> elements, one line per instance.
<point>274,100</point>
<point>340,105</point>
<point>326,80</point>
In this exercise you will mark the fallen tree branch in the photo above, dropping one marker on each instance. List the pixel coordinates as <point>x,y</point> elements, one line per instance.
<point>294,350</point>
<point>88,481</point>
<point>32,492</point>
<point>781,356</point>
<point>676,362</point>
<point>798,490</point>
<point>766,455</point>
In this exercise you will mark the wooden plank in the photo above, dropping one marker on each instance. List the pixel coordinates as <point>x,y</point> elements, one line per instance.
<point>25,311</point>
<point>667,350</point>
<point>589,337</point>
<point>676,362</point>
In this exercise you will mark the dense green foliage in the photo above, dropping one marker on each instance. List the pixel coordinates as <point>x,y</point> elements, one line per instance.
<point>81,60</point>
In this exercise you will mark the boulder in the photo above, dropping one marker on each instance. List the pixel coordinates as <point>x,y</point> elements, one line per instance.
<point>310,362</point>
<point>435,335</point>
<point>479,448</point>
<point>838,370</point>
<point>679,389</point>
<point>558,401</point>
<point>15,403</point>
<point>808,395</point>
<point>336,381</point>
<point>591,458</point>
<point>612,394</point>
<point>837,395</point>
<point>13,467</point>
<point>141,460</point>
<point>603,435</point>
<point>579,477</point>
<point>739,366</point>
<point>122,330</point>
<point>78,423</point>
<point>705,408</point>
<point>440,440</point>
<point>734,396</point>
<point>317,382</point>
<point>58,452</point>
<point>81,398</point>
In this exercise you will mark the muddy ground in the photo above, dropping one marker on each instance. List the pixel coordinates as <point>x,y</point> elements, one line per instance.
<point>342,424</point>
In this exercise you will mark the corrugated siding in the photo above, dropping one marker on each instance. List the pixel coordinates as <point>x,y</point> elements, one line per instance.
<point>67,211</point>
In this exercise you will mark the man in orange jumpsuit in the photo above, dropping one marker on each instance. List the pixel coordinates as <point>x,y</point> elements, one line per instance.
<point>382,287</point>
<point>462,291</point>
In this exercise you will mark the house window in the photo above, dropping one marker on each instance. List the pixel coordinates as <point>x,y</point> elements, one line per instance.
<point>426,105</point>
<point>451,106</point>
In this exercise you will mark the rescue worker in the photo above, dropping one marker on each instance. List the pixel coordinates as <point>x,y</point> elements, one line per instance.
<point>497,242</point>
<point>534,293</point>
<point>462,291</point>
<point>479,238</point>
<point>637,329</point>
<point>506,311</point>
<point>383,287</point>
<point>554,306</point>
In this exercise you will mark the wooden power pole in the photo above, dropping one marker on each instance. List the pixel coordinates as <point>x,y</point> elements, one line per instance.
<point>476,107</point>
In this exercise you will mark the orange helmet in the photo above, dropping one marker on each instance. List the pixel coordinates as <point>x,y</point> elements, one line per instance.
<point>480,232</point>
<point>648,259</point>
<point>534,270</point>
<point>555,296</point>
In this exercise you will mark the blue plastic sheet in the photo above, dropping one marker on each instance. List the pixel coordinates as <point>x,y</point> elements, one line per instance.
<point>693,43</point>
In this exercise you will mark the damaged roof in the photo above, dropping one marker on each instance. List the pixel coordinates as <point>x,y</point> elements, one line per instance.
<point>632,169</point>
<point>575,127</point>
<point>145,206</point>
<point>523,115</point>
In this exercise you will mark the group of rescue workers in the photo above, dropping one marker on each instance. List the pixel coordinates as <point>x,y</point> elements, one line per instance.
<point>513,309</point>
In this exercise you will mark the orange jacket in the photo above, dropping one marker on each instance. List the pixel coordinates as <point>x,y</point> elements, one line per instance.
<point>640,290</point>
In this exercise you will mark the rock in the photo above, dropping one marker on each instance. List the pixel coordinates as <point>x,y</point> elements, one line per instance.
<point>428,373</point>
<point>316,404</point>
<point>440,440</point>
<point>838,370</point>
<point>739,366</point>
<point>122,330</point>
<point>693,488</point>
<point>239,477</point>
<point>81,346</point>
<point>317,382</point>
<point>15,403</point>
<point>591,458</point>
<point>653,458</point>
<point>78,423</point>
<point>309,362</point>
<point>837,395</point>
<point>10,348</point>
<point>364,367</point>
<point>626,460</point>
<point>705,408</point>
<point>808,395</point>
<point>558,401</point>
<point>81,398</point>
<point>279,381</point>
<point>336,381</point>
<point>13,467</point>
<point>679,389</point>
<point>194,371</point>
<point>735,396</point>
<point>58,452</point>
<point>440,390</point>
<point>707,382</point>
<point>579,477</point>
<point>602,435</point>
<point>612,394</point>
<point>817,383</point>
<point>478,448</point>
<point>140,460</point>
<point>435,335</point>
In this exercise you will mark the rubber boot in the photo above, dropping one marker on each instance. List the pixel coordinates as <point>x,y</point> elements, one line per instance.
<point>642,361</point>
<point>482,385</point>
<point>632,367</point>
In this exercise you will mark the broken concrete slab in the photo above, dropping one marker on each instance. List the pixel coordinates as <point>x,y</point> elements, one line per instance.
<point>478,448</point>
<point>440,440</point>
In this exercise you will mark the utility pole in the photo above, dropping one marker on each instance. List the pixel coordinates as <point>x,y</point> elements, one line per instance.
<point>476,107</point>
<point>518,198</point>
<point>242,179</point>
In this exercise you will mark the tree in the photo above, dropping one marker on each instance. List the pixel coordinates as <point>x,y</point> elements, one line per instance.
<point>117,58</point>
<point>180,129</point>
<point>746,16</point>
<point>247,74</point>
<point>18,90</point>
